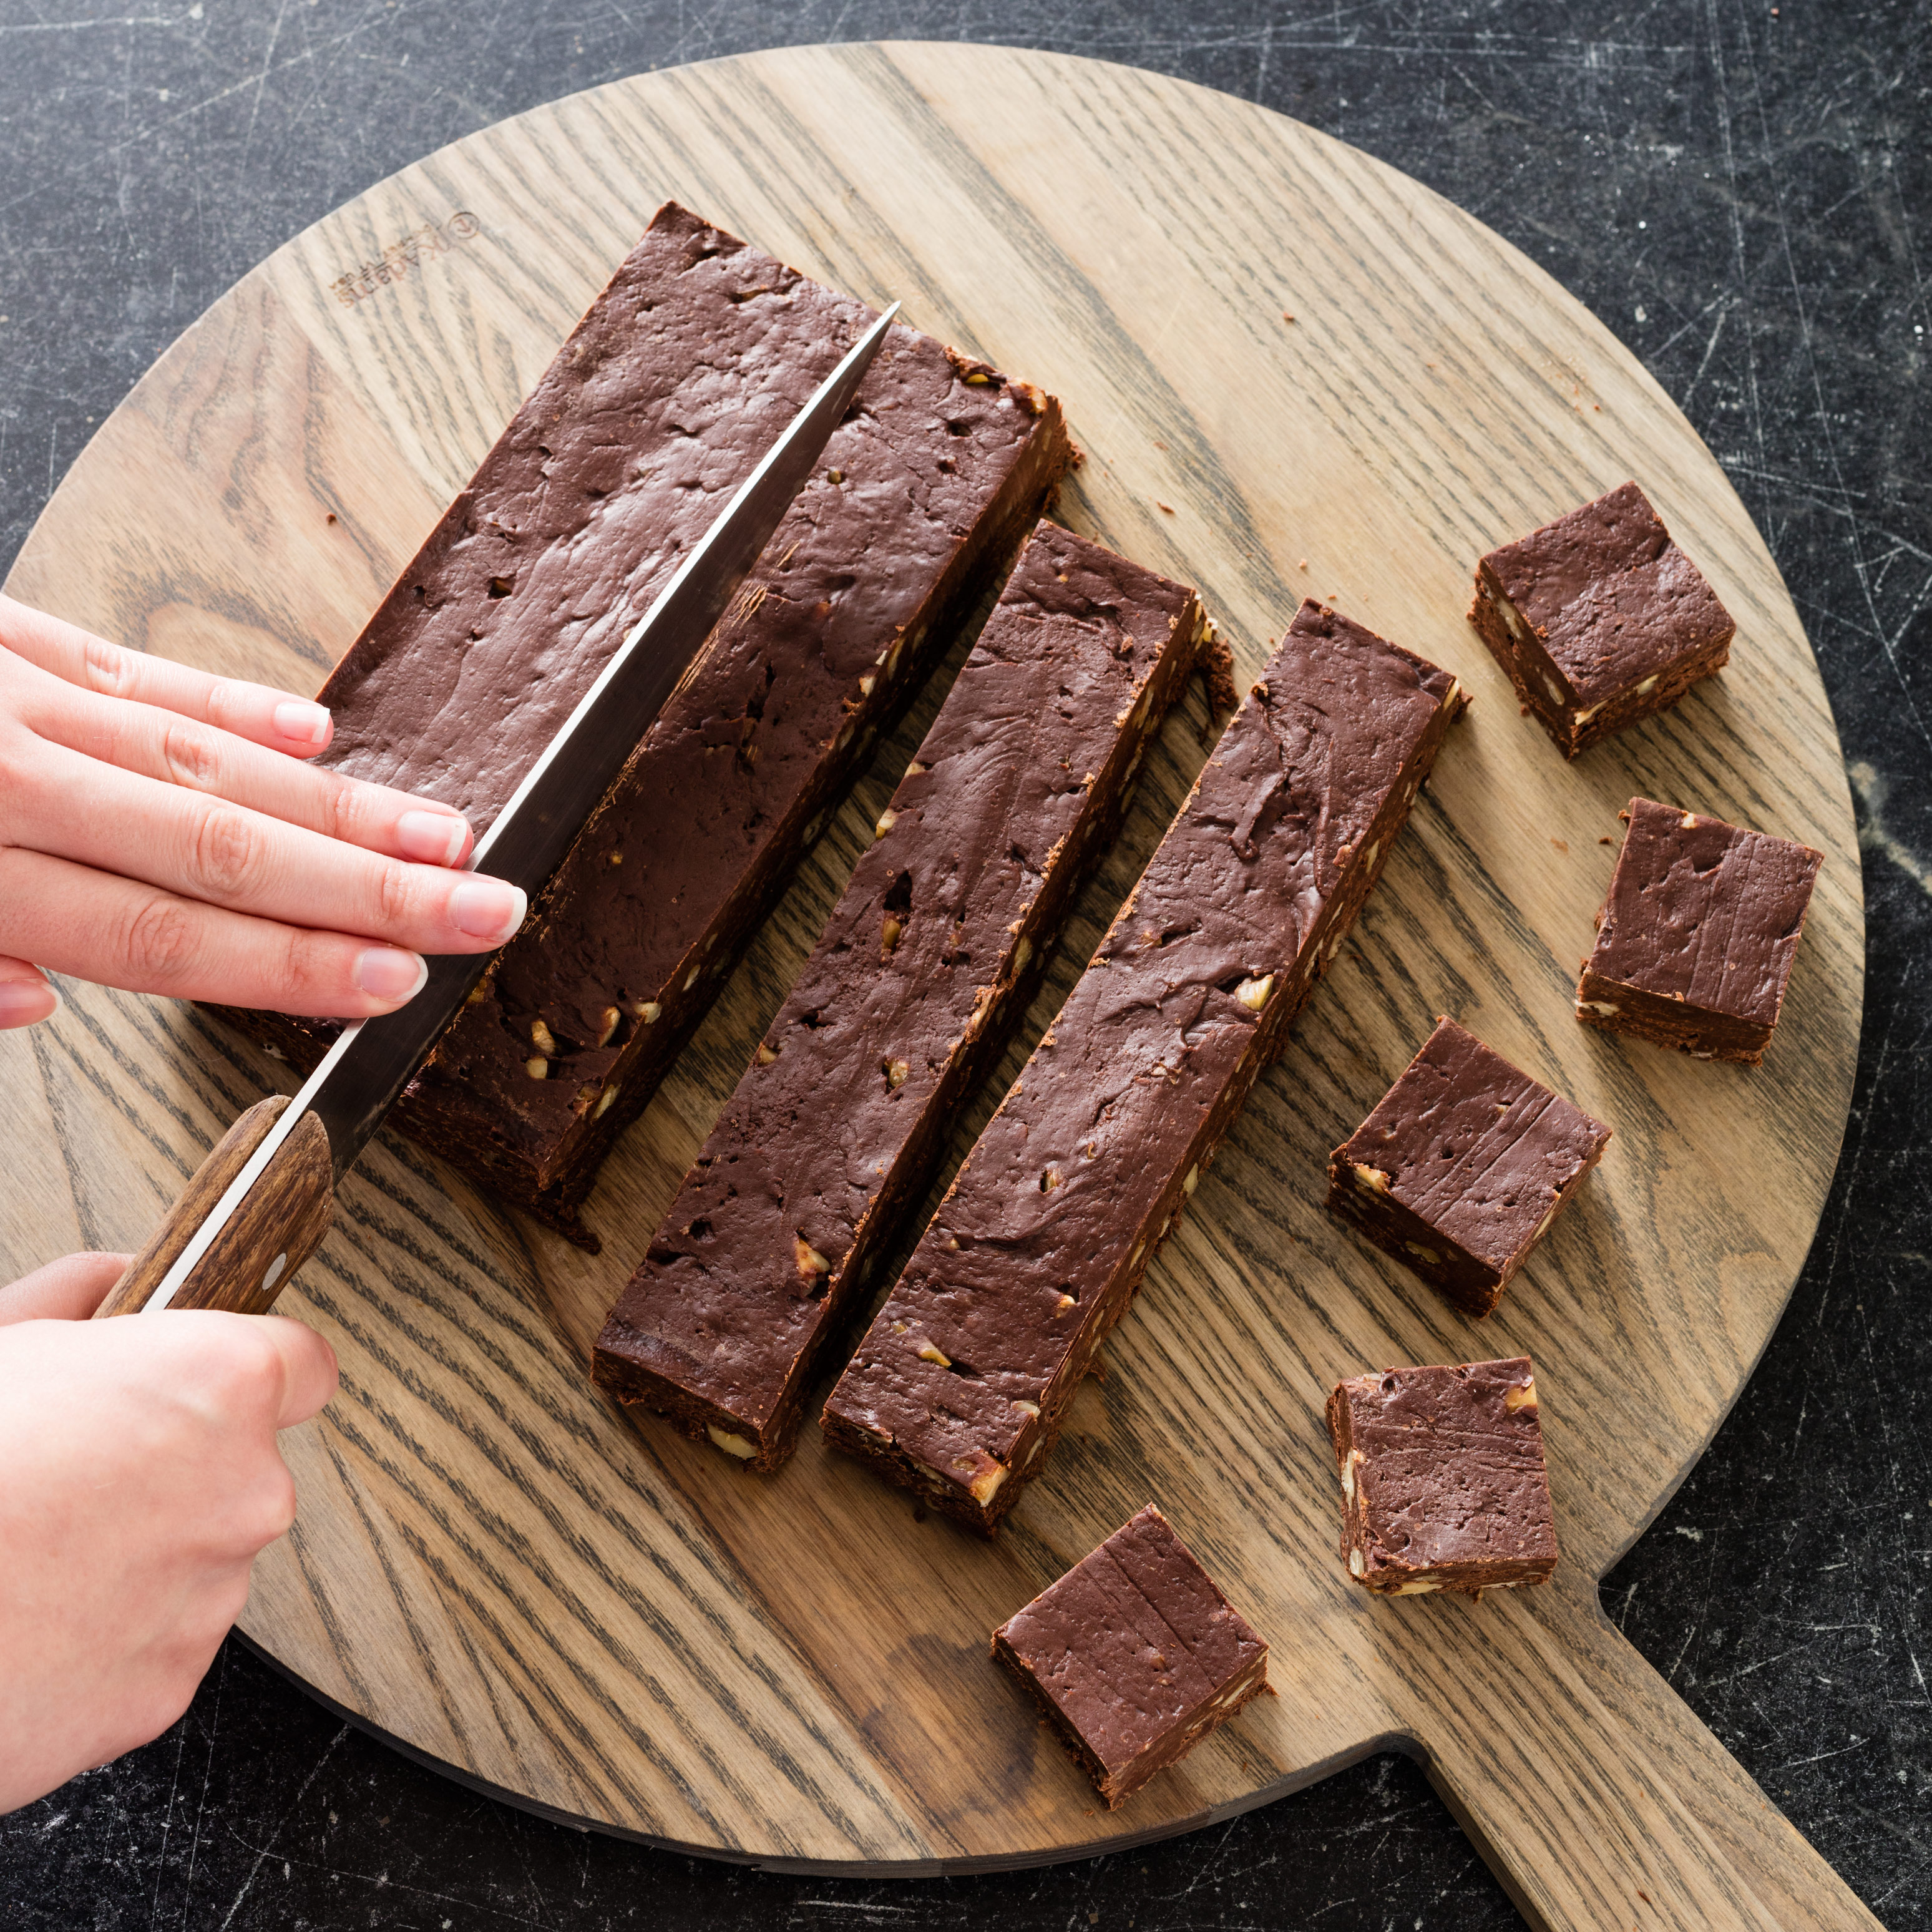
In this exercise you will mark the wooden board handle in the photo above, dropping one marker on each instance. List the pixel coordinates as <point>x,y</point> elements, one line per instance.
<point>275,1229</point>
<point>1603,1802</point>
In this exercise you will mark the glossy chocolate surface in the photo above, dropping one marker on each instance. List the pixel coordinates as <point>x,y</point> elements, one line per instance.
<point>909,996</point>
<point>1461,1168</point>
<point>1134,1653</point>
<point>958,1386</point>
<point>1697,935</point>
<point>1443,1481</point>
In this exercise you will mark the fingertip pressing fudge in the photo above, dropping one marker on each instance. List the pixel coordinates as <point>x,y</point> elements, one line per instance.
<point>1443,1481</point>
<point>1462,1166</point>
<point>930,959</point>
<point>1599,619</point>
<point>1134,1655</point>
<point>1697,934</point>
<point>680,377</point>
<point>961,1384</point>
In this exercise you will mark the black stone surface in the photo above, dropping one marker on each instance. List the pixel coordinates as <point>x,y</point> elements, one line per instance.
<point>1744,193</point>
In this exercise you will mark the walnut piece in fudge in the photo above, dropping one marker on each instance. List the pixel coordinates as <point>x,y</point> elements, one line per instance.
<point>1443,1484</point>
<point>1599,619</point>
<point>1461,1167</point>
<point>1134,1655</point>
<point>1696,939</point>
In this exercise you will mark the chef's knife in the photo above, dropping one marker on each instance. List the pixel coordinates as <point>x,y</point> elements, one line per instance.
<point>257,1206</point>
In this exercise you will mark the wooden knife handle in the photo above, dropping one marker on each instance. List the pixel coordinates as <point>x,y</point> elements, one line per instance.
<point>275,1229</point>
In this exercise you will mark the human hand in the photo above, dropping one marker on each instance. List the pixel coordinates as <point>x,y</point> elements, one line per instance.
<point>142,1481</point>
<point>161,831</point>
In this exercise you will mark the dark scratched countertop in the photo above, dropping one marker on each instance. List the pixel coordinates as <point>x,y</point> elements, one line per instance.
<point>1744,193</point>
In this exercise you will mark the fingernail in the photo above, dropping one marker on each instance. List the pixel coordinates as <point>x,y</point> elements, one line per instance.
<point>307,724</point>
<point>488,909</point>
<point>432,838</point>
<point>389,973</point>
<point>27,1002</point>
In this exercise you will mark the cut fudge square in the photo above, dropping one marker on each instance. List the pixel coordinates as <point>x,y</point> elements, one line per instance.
<point>1134,1655</point>
<point>1599,619</point>
<point>1443,1484</point>
<point>1462,1166</point>
<point>1696,939</point>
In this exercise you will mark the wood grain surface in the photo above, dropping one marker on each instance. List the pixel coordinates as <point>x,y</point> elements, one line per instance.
<point>495,1569</point>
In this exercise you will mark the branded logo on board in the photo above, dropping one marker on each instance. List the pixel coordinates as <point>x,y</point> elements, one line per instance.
<point>419,246</point>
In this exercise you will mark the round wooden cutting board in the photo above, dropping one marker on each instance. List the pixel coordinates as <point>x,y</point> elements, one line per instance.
<point>1293,371</point>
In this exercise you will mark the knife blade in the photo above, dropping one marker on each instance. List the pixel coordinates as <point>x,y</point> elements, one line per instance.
<point>344,1100</point>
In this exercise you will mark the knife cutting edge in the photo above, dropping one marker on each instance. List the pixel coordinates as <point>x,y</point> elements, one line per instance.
<point>259,1225</point>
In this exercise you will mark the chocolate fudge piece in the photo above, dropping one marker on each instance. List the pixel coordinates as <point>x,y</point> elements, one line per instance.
<point>928,963</point>
<point>672,385</point>
<point>1696,939</point>
<point>1443,1485</point>
<point>1461,1167</point>
<point>1134,1655</point>
<point>961,1384</point>
<point>1599,619</point>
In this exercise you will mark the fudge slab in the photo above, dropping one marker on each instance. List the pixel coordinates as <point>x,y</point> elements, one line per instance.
<point>929,962</point>
<point>677,379</point>
<point>1134,1655</point>
<point>1599,619</point>
<point>1443,1482</point>
<point>960,1386</point>
<point>1462,1166</point>
<point>1697,935</point>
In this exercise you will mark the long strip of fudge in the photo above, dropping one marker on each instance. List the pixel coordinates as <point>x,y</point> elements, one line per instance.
<point>1697,934</point>
<point>1462,1166</point>
<point>929,962</point>
<point>675,383</point>
<point>960,1385</point>
<point>1134,1655</point>
<point>1443,1481</point>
